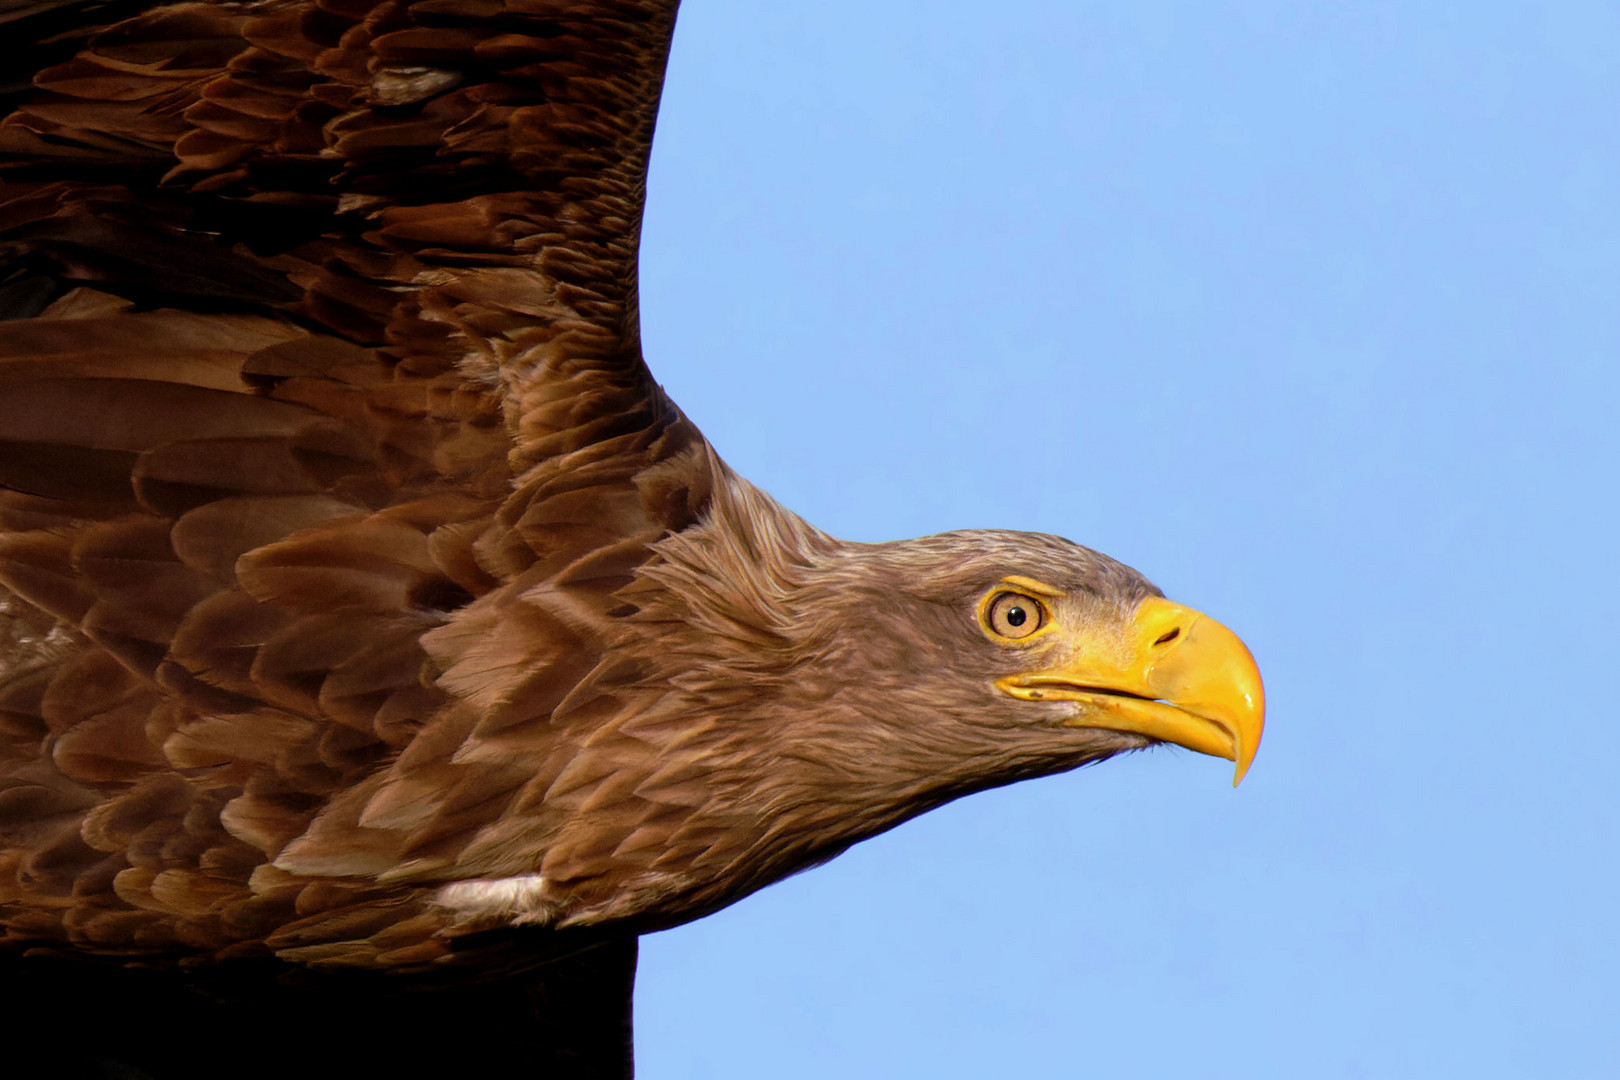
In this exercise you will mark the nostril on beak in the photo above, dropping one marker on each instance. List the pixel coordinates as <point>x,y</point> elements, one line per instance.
<point>1168,636</point>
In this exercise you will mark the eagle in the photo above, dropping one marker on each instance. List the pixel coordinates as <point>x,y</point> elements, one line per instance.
<point>381,650</point>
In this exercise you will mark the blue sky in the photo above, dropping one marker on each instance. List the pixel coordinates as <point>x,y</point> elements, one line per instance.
<point>1309,312</point>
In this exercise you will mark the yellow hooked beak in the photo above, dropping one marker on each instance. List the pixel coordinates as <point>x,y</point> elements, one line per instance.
<point>1175,675</point>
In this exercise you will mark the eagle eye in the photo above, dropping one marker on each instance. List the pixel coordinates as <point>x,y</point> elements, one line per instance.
<point>1014,615</point>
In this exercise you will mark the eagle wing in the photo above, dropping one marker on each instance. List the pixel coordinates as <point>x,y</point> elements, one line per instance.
<point>322,327</point>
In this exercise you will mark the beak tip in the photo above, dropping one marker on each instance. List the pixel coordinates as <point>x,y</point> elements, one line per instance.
<point>1244,757</point>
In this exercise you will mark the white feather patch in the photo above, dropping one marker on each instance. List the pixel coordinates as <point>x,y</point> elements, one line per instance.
<point>519,899</point>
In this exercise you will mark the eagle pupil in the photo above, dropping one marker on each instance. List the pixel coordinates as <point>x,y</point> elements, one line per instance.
<point>1016,616</point>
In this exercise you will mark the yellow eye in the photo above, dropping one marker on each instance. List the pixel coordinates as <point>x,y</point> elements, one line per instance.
<point>1014,615</point>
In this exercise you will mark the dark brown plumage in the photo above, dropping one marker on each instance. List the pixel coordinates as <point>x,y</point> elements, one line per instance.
<point>364,604</point>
